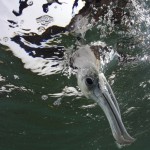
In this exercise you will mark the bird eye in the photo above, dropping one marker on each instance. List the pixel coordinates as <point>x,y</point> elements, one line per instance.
<point>89,81</point>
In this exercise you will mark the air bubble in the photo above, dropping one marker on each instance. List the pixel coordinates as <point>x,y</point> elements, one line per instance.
<point>22,21</point>
<point>41,29</point>
<point>5,39</point>
<point>16,77</point>
<point>30,3</point>
<point>57,102</point>
<point>44,20</point>
<point>44,97</point>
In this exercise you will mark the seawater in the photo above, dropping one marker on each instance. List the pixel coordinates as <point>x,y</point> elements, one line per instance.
<point>42,108</point>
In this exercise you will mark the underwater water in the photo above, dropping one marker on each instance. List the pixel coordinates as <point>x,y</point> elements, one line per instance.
<point>41,106</point>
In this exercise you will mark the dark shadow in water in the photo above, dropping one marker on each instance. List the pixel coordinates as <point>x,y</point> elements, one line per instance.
<point>45,6</point>
<point>41,51</point>
<point>22,6</point>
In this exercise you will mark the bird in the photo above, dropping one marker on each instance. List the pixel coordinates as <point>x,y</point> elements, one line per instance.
<point>86,60</point>
<point>93,84</point>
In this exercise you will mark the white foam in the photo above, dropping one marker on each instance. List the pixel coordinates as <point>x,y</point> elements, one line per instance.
<point>38,65</point>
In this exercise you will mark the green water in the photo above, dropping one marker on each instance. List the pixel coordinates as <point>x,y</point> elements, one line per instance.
<point>29,122</point>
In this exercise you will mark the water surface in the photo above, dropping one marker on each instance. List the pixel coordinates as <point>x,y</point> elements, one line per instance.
<point>35,113</point>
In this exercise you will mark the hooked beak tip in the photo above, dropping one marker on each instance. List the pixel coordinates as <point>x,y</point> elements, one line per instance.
<point>121,140</point>
<point>107,101</point>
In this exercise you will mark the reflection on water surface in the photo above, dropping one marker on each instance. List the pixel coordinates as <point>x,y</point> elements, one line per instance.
<point>48,110</point>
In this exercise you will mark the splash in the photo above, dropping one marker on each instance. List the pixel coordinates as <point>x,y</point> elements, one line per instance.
<point>37,37</point>
<point>141,21</point>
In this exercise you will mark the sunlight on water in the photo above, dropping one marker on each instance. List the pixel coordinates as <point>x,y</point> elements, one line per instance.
<point>137,29</point>
<point>24,22</point>
<point>141,22</point>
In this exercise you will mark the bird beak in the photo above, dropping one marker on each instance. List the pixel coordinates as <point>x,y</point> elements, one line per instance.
<point>104,96</point>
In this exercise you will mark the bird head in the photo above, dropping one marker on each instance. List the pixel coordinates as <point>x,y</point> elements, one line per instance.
<point>95,86</point>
